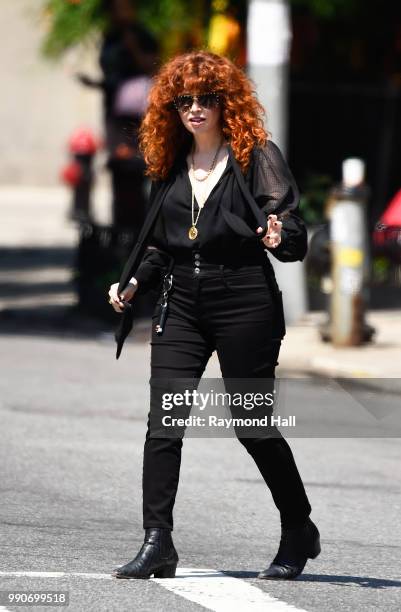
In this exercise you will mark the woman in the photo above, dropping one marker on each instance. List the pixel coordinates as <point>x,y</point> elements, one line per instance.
<point>219,188</point>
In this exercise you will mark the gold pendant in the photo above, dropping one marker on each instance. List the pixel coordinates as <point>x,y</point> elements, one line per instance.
<point>192,232</point>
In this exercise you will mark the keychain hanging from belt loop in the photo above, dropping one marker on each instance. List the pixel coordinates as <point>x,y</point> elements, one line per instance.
<point>167,285</point>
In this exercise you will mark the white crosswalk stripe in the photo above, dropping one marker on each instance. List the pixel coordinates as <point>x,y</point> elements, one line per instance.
<point>207,587</point>
<point>221,593</point>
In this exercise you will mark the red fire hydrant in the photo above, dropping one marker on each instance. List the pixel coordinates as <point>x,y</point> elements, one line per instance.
<point>78,173</point>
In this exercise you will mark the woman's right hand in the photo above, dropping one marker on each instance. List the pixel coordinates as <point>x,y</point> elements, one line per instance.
<point>117,300</point>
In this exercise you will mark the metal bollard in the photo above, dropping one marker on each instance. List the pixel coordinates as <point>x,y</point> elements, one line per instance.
<point>350,257</point>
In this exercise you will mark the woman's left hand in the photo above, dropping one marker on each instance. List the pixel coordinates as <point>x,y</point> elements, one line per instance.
<point>273,235</point>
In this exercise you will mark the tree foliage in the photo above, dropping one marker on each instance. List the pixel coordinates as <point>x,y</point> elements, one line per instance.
<point>327,9</point>
<point>71,22</point>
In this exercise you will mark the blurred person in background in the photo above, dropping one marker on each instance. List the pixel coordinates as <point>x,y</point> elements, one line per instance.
<point>223,195</point>
<point>128,58</point>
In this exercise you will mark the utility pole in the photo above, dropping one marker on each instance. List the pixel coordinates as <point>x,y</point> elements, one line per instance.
<point>268,49</point>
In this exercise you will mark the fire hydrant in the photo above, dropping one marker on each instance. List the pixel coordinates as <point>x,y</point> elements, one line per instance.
<point>350,257</point>
<point>78,173</point>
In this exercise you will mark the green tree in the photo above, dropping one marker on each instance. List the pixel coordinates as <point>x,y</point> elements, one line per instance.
<point>174,22</point>
<point>328,9</point>
<point>72,22</point>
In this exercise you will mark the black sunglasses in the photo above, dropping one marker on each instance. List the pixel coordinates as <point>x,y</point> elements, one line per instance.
<point>207,100</point>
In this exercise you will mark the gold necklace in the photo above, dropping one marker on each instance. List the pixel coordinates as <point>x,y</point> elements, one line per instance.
<point>193,231</point>
<point>211,167</point>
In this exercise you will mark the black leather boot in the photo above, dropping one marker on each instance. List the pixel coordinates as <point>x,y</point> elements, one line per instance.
<point>157,556</point>
<point>296,547</point>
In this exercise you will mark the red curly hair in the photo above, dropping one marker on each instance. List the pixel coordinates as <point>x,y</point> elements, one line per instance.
<point>162,136</point>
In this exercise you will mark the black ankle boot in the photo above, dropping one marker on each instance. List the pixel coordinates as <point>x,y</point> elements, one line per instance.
<point>157,556</point>
<point>296,547</point>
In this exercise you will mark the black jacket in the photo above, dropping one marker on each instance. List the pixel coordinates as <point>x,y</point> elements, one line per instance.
<point>277,193</point>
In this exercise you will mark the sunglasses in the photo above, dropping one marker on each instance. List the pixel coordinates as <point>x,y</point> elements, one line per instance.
<point>208,100</point>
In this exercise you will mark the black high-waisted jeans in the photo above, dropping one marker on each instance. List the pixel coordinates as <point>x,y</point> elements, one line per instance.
<point>233,312</point>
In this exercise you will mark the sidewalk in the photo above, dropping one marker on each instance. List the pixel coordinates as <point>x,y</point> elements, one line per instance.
<point>377,363</point>
<point>34,224</point>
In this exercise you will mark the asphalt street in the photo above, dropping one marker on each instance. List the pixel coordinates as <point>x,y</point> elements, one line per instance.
<point>73,423</point>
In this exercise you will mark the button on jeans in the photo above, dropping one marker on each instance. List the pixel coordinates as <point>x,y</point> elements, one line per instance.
<point>230,311</point>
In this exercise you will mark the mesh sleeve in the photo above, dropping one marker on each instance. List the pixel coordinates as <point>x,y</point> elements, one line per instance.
<point>273,185</point>
<point>276,192</point>
<point>149,272</point>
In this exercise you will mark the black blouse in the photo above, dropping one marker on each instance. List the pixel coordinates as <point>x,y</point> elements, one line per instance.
<point>272,186</point>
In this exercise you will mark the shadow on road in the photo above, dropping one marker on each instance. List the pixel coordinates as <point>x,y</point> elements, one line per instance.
<point>33,258</point>
<point>55,320</point>
<point>38,296</point>
<point>362,581</point>
<point>62,321</point>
